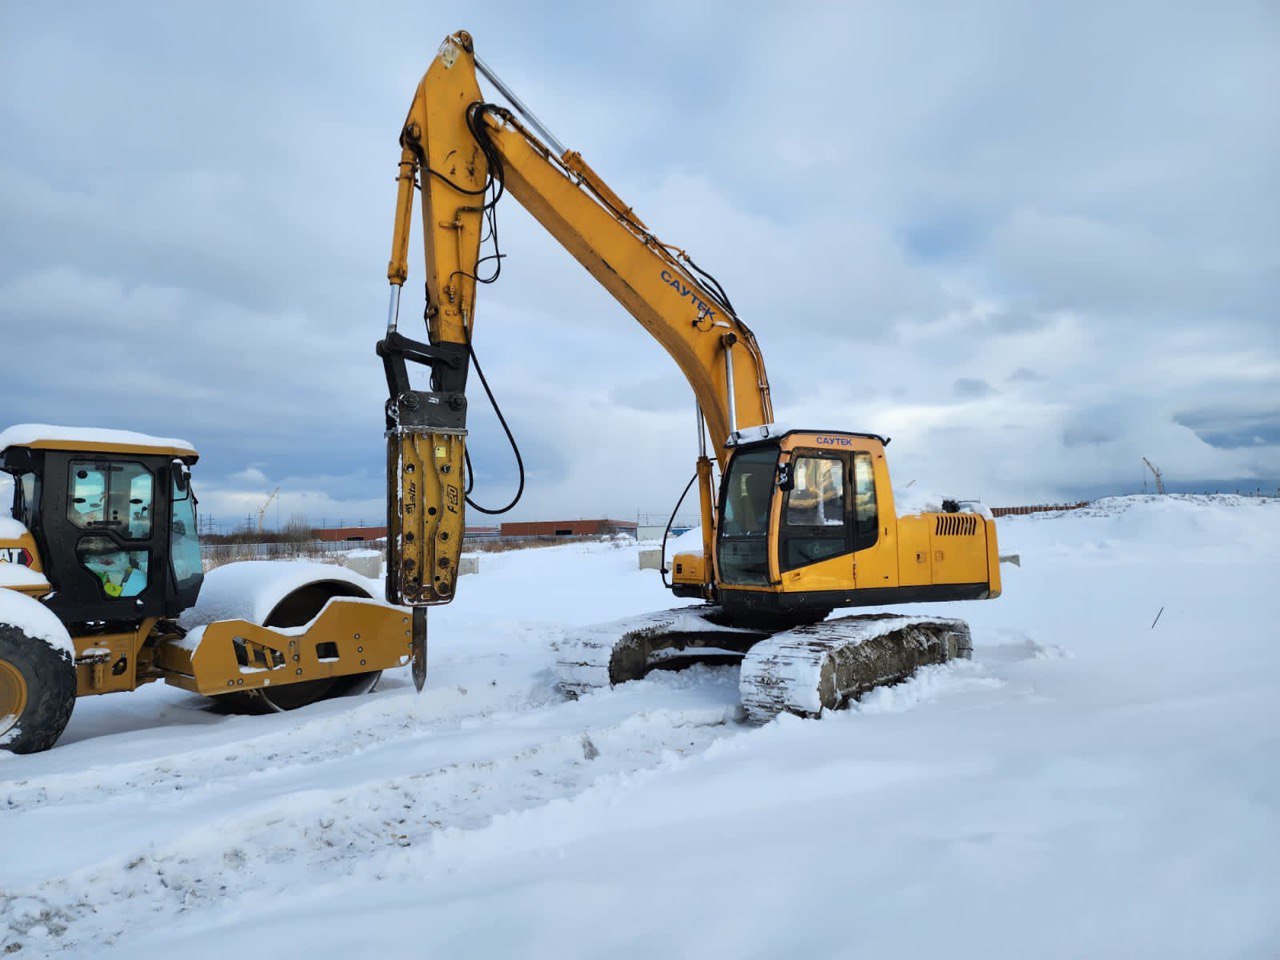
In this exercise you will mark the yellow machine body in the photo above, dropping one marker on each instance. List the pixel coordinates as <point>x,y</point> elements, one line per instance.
<point>116,650</point>
<point>347,636</point>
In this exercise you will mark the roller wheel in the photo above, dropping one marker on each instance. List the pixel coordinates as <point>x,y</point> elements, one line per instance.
<point>298,608</point>
<point>37,692</point>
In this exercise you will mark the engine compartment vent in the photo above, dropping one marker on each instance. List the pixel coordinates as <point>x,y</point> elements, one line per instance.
<point>957,525</point>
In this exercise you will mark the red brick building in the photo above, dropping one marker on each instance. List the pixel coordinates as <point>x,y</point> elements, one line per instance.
<point>568,528</point>
<point>355,534</point>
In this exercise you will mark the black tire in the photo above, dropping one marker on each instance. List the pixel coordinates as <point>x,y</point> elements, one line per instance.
<point>298,608</point>
<point>42,681</point>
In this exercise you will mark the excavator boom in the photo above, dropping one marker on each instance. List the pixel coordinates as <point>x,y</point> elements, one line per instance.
<point>461,154</point>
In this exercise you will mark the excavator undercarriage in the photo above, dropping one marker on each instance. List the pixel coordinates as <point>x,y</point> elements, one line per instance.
<point>804,669</point>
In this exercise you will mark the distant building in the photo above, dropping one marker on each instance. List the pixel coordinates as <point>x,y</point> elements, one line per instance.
<point>536,528</point>
<point>358,534</point>
<point>355,534</point>
<point>569,528</point>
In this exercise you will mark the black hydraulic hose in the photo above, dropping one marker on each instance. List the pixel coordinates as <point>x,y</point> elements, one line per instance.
<point>494,182</point>
<point>515,447</point>
<point>662,571</point>
<point>718,293</point>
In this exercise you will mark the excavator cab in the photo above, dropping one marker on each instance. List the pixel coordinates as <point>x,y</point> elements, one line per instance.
<point>807,524</point>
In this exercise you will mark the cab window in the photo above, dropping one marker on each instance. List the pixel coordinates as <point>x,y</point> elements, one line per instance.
<point>110,496</point>
<point>815,523</point>
<point>184,543</point>
<point>120,573</point>
<point>866,515</point>
<point>26,499</point>
<point>747,491</point>
<point>817,498</point>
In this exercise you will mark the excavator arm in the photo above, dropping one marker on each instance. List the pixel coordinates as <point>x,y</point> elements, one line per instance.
<point>460,154</point>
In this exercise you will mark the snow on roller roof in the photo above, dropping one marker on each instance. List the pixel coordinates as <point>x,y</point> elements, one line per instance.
<point>75,438</point>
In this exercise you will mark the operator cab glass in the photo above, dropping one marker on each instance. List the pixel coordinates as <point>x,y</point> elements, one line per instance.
<point>116,499</point>
<point>746,494</point>
<point>184,544</point>
<point>815,513</point>
<point>830,509</point>
<point>26,499</point>
<point>866,517</point>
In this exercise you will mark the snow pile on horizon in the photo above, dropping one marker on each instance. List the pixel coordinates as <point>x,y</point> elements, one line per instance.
<point>1088,785</point>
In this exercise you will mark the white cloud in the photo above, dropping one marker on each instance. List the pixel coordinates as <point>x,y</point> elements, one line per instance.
<point>250,476</point>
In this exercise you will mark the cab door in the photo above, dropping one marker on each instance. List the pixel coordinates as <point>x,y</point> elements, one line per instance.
<point>829,535</point>
<point>105,521</point>
<point>816,523</point>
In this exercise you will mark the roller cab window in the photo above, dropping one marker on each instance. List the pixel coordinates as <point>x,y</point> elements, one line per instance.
<point>26,499</point>
<point>116,500</point>
<point>184,543</point>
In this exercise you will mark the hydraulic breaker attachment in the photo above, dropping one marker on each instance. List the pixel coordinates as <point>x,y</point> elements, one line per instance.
<point>424,524</point>
<point>426,474</point>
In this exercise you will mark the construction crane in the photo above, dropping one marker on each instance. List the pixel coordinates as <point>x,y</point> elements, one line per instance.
<point>1155,471</point>
<point>262,510</point>
<point>803,521</point>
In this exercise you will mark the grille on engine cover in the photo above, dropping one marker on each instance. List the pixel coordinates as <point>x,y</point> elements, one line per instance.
<point>957,525</point>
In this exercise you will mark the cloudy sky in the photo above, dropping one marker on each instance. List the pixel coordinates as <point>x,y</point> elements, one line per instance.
<point>1033,243</point>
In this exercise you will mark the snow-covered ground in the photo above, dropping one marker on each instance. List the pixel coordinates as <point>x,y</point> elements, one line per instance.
<point>1090,785</point>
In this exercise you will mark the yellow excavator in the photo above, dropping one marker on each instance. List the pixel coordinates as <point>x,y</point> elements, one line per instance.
<point>801,522</point>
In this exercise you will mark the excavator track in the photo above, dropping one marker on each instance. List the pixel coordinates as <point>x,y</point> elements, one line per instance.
<point>826,665</point>
<point>803,670</point>
<point>610,653</point>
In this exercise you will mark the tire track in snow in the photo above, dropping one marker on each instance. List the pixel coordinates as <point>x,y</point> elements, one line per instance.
<point>272,744</point>
<point>245,819</point>
<point>453,779</point>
